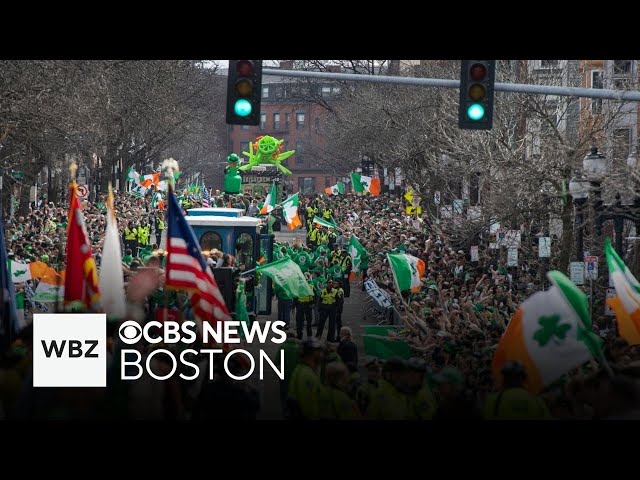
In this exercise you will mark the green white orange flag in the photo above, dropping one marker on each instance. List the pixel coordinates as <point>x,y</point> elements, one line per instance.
<point>270,201</point>
<point>626,303</point>
<point>290,212</point>
<point>325,223</point>
<point>357,252</point>
<point>549,335</point>
<point>363,184</point>
<point>337,189</point>
<point>407,271</point>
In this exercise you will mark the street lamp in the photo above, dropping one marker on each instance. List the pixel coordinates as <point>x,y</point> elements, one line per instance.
<point>594,164</point>
<point>579,187</point>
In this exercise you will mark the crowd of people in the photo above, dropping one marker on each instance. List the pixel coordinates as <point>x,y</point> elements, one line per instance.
<point>452,324</point>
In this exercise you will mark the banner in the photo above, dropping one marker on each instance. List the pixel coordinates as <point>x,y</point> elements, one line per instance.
<point>380,296</point>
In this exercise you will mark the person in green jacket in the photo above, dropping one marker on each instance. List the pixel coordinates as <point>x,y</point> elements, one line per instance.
<point>513,402</point>
<point>335,404</point>
<point>422,402</point>
<point>368,389</point>
<point>305,386</point>
<point>388,402</point>
<point>291,348</point>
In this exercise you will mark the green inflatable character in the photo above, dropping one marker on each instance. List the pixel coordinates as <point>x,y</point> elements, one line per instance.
<point>232,178</point>
<point>266,150</point>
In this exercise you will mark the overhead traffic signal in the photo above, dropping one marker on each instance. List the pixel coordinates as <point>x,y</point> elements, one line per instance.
<point>477,78</point>
<point>244,90</point>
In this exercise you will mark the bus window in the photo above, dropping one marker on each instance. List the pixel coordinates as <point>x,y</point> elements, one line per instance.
<point>244,252</point>
<point>211,240</point>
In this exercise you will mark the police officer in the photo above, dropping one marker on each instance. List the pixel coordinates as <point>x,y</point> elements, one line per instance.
<point>326,213</point>
<point>131,237</point>
<point>305,386</point>
<point>513,402</point>
<point>159,228</point>
<point>328,307</point>
<point>304,309</point>
<point>339,305</point>
<point>335,404</point>
<point>422,403</point>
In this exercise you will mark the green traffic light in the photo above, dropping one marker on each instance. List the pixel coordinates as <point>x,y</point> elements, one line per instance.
<point>475,111</point>
<point>242,108</point>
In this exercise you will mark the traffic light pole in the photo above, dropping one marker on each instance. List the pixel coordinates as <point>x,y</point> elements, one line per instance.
<point>620,95</point>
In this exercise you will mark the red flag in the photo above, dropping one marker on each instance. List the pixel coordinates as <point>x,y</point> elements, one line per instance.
<point>81,280</point>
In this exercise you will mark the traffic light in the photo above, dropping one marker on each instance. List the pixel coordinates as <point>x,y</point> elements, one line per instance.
<point>476,94</point>
<point>244,90</point>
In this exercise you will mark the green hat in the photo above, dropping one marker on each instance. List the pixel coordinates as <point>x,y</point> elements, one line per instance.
<point>233,158</point>
<point>449,375</point>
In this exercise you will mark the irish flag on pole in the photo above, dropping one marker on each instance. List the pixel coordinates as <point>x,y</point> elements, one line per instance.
<point>549,335</point>
<point>626,303</point>
<point>270,201</point>
<point>290,211</point>
<point>337,189</point>
<point>365,184</point>
<point>407,270</point>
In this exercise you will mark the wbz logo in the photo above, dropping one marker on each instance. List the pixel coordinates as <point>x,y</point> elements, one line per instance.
<point>69,350</point>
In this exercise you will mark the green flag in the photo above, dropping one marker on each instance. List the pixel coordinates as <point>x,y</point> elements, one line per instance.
<point>324,223</point>
<point>357,252</point>
<point>288,276</point>
<point>241,307</point>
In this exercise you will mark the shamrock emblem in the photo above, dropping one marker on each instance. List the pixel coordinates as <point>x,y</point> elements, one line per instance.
<point>551,330</point>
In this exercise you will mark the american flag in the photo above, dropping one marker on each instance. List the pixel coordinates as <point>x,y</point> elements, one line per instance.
<point>206,199</point>
<point>187,269</point>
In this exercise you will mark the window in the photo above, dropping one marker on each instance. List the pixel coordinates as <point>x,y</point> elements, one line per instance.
<point>286,121</point>
<point>299,152</point>
<point>276,121</point>
<point>244,127</point>
<point>621,144</point>
<point>327,181</point>
<point>265,92</point>
<point>307,185</point>
<point>336,90</point>
<point>596,82</point>
<point>299,120</point>
<point>549,63</point>
<point>263,121</point>
<point>244,146</point>
<point>622,67</point>
<point>210,240</point>
<point>317,125</point>
<point>326,91</point>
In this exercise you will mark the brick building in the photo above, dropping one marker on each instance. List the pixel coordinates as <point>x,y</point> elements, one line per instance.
<point>288,112</point>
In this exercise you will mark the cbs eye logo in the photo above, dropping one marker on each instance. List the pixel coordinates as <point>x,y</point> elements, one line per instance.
<point>130,332</point>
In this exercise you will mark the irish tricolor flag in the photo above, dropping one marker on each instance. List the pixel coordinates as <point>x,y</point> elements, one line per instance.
<point>548,335</point>
<point>324,223</point>
<point>626,303</point>
<point>407,270</point>
<point>365,184</point>
<point>290,211</point>
<point>337,189</point>
<point>270,201</point>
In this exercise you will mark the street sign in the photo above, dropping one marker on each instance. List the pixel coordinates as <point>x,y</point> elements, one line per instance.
<point>17,174</point>
<point>512,257</point>
<point>83,192</point>
<point>591,268</point>
<point>577,273</point>
<point>474,253</point>
<point>611,293</point>
<point>544,247</point>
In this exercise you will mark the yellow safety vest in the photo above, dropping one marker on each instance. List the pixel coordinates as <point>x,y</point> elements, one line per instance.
<point>130,234</point>
<point>328,298</point>
<point>313,234</point>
